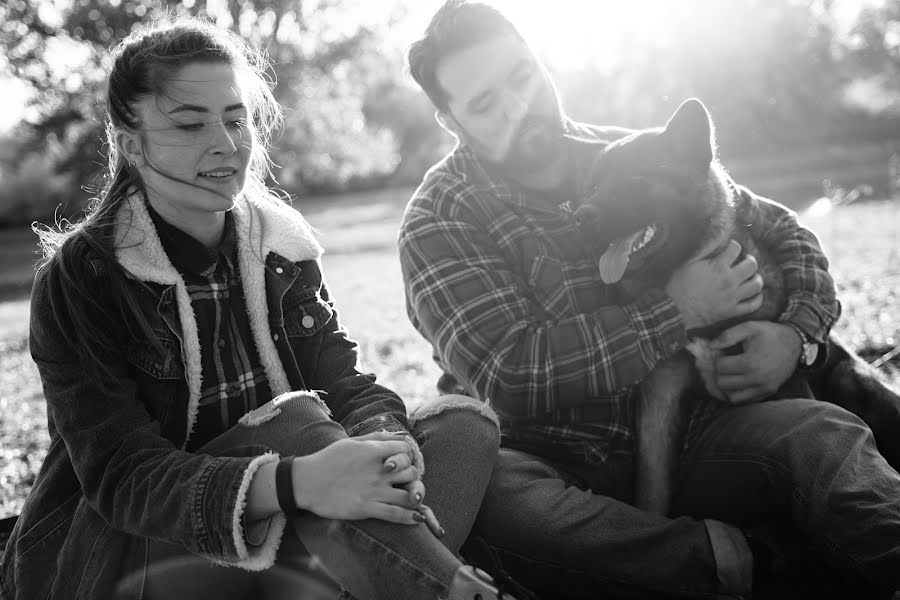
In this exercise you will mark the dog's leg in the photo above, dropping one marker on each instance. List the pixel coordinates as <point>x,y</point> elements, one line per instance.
<point>848,381</point>
<point>661,413</point>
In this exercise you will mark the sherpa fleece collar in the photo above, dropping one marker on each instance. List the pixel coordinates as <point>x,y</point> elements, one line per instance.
<point>260,228</point>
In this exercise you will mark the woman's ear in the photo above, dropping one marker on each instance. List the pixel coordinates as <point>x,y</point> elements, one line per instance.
<point>128,143</point>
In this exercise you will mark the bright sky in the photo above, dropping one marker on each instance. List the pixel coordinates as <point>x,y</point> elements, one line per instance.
<point>12,102</point>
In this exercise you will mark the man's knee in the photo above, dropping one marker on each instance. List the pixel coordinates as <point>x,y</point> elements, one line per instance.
<point>458,408</point>
<point>828,430</point>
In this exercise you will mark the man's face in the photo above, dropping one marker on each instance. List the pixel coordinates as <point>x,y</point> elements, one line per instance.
<point>503,105</point>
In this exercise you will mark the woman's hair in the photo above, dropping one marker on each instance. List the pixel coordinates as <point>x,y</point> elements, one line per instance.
<point>144,65</point>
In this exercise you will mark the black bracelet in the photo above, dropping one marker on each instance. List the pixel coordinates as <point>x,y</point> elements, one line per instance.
<point>284,486</point>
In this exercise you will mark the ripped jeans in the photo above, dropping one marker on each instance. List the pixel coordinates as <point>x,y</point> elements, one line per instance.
<point>370,559</point>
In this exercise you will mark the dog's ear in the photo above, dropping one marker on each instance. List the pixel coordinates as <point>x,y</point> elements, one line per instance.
<point>691,135</point>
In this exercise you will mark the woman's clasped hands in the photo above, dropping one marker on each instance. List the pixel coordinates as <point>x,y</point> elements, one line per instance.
<point>366,477</point>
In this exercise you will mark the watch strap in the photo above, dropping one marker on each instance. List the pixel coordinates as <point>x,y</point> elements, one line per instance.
<point>284,486</point>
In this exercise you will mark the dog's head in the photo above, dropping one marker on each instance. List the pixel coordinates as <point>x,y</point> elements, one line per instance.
<point>658,196</point>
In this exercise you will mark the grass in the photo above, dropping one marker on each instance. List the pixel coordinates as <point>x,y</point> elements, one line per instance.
<point>360,264</point>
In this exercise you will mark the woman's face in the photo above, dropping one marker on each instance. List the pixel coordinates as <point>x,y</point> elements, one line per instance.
<point>197,140</point>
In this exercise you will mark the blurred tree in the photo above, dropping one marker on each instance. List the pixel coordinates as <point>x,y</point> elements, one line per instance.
<point>767,70</point>
<point>873,51</point>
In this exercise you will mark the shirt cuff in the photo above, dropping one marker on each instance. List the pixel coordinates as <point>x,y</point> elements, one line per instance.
<point>804,318</point>
<point>734,560</point>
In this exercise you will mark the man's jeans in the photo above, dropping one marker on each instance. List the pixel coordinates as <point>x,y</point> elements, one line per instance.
<point>803,461</point>
<point>371,559</point>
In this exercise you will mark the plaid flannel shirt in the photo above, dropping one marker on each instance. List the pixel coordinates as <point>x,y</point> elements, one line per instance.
<point>504,285</point>
<point>234,380</point>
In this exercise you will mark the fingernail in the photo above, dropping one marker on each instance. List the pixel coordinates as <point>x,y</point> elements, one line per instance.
<point>418,497</point>
<point>390,466</point>
<point>418,517</point>
<point>441,532</point>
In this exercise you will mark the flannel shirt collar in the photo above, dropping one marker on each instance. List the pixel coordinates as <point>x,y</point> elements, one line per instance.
<point>583,149</point>
<point>187,254</point>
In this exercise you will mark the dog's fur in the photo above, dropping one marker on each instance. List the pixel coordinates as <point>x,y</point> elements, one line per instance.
<point>669,178</point>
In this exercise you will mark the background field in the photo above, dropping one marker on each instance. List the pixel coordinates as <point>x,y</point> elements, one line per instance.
<point>359,233</point>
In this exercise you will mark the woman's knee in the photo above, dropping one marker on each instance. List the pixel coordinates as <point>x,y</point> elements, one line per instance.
<point>297,423</point>
<point>465,416</point>
<point>293,408</point>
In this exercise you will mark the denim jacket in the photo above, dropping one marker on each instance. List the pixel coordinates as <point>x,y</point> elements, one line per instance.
<point>116,473</point>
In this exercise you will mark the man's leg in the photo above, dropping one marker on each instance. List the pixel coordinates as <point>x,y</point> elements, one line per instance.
<point>811,462</point>
<point>459,438</point>
<point>849,382</point>
<point>555,535</point>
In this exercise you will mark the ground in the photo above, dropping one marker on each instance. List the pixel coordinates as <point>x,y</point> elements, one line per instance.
<point>359,233</point>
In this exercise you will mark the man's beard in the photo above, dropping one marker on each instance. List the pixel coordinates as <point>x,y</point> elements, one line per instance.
<point>537,142</point>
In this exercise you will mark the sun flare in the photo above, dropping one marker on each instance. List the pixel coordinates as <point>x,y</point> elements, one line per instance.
<point>570,33</point>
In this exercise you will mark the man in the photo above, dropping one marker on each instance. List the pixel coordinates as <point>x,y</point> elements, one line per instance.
<point>500,280</point>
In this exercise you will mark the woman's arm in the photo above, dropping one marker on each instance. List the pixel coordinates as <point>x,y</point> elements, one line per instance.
<point>135,478</point>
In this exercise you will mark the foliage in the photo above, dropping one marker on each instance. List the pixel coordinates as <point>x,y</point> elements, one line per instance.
<point>769,71</point>
<point>33,188</point>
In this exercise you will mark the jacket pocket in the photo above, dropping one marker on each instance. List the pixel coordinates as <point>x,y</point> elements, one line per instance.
<point>36,551</point>
<point>160,365</point>
<point>305,312</point>
<point>45,531</point>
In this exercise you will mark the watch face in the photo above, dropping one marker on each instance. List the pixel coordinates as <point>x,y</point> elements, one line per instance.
<point>810,353</point>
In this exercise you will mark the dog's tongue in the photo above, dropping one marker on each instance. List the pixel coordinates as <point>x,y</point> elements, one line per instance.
<point>615,260</point>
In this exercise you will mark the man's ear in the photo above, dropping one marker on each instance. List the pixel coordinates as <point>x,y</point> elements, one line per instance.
<point>447,123</point>
<point>128,143</point>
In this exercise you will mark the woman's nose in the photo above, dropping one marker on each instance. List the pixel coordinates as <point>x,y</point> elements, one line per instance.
<point>223,142</point>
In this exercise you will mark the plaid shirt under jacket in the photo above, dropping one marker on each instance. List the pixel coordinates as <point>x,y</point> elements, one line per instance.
<point>234,380</point>
<point>506,288</point>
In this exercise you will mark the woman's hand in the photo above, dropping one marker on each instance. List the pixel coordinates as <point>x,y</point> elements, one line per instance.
<point>349,480</point>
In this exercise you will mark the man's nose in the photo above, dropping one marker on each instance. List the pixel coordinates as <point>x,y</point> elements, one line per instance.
<point>516,105</point>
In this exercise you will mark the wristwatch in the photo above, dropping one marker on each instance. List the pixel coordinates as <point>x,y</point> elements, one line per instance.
<point>809,350</point>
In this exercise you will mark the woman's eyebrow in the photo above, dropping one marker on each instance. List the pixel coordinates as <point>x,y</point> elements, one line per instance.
<point>203,109</point>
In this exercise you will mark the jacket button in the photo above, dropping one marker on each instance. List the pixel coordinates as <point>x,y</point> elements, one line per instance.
<point>307,321</point>
<point>279,270</point>
<point>275,337</point>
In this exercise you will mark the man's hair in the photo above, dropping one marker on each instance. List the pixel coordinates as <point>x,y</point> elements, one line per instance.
<point>456,26</point>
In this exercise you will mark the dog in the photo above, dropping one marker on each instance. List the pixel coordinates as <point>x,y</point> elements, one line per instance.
<point>664,189</point>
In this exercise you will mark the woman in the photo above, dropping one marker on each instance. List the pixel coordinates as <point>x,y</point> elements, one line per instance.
<point>164,324</point>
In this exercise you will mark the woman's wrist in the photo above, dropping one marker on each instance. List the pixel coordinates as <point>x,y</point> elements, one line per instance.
<point>298,467</point>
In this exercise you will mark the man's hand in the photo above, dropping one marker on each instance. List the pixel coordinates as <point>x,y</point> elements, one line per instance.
<point>770,355</point>
<point>713,289</point>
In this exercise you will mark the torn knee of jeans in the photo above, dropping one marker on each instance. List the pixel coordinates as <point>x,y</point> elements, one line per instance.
<point>272,408</point>
<point>260,415</point>
<point>307,395</point>
<point>453,402</point>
